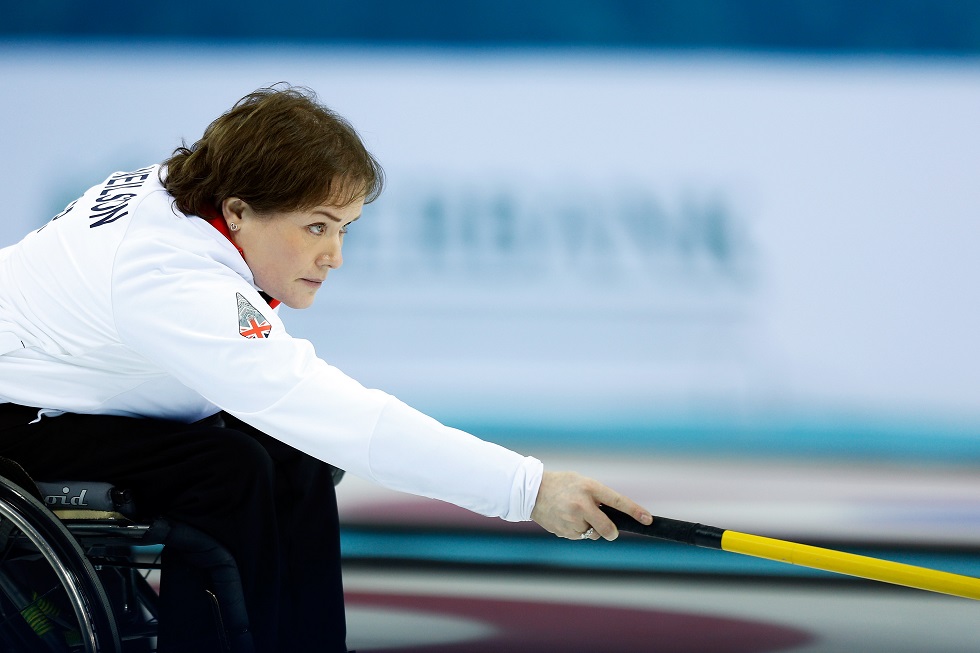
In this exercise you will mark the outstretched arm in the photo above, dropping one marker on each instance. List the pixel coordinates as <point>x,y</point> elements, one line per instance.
<point>568,506</point>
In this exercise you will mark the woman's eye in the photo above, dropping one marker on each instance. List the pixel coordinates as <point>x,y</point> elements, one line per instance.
<point>343,229</point>
<point>317,229</point>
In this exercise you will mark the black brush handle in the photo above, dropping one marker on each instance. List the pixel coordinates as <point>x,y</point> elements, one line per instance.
<point>663,528</point>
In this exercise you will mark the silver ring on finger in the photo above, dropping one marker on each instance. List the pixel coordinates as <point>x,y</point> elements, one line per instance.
<point>587,534</point>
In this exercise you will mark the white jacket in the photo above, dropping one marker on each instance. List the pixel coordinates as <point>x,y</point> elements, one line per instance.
<point>122,305</point>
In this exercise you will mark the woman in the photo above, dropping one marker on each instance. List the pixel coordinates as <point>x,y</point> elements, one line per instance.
<point>139,344</point>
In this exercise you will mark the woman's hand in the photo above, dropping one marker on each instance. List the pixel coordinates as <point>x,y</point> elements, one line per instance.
<point>568,506</point>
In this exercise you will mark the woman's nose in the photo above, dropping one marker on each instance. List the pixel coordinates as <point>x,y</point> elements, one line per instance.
<point>332,256</point>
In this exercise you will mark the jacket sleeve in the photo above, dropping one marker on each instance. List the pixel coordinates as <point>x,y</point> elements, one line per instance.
<point>184,313</point>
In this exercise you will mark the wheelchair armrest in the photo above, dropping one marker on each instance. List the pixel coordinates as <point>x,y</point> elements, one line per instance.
<point>76,497</point>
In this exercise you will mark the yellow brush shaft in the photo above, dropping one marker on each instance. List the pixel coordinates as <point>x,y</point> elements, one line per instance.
<point>852,565</point>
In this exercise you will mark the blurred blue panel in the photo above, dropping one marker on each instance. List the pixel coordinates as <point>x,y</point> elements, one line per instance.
<point>900,26</point>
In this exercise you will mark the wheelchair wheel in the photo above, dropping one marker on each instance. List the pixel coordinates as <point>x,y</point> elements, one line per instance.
<point>50,596</point>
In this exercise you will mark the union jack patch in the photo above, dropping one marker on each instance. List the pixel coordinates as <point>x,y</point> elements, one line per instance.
<point>251,323</point>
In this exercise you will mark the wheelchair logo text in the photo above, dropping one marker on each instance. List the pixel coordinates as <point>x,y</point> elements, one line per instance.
<point>66,500</point>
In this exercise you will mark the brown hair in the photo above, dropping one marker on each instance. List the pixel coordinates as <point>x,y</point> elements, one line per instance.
<point>278,149</point>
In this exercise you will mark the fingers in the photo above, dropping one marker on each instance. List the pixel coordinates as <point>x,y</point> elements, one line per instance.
<point>623,504</point>
<point>600,522</point>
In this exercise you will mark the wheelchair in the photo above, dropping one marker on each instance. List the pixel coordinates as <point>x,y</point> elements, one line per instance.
<point>78,565</point>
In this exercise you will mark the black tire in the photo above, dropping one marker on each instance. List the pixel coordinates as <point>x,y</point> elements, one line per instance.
<point>43,571</point>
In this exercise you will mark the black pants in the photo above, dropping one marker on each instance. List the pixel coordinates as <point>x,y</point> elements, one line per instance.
<point>273,508</point>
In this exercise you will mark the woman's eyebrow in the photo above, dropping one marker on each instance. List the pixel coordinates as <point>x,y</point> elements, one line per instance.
<point>327,213</point>
<point>332,216</point>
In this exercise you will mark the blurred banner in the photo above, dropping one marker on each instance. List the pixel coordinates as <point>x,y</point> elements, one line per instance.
<point>725,252</point>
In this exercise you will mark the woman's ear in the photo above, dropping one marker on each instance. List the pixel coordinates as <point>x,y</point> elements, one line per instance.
<point>233,210</point>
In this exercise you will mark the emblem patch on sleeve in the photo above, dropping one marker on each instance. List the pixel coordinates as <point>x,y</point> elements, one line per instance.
<point>251,323</point>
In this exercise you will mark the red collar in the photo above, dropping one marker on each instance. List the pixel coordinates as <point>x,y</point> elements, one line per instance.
<point>219,223</point>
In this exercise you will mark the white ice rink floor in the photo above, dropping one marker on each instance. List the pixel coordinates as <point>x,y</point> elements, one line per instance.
<point>424,576</point>
<point>579,614</point>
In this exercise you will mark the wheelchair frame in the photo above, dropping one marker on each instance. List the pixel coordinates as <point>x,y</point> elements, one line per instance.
<point>94,595</point>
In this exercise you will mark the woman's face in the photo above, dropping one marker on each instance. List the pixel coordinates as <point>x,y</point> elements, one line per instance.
<point>290,253</point>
